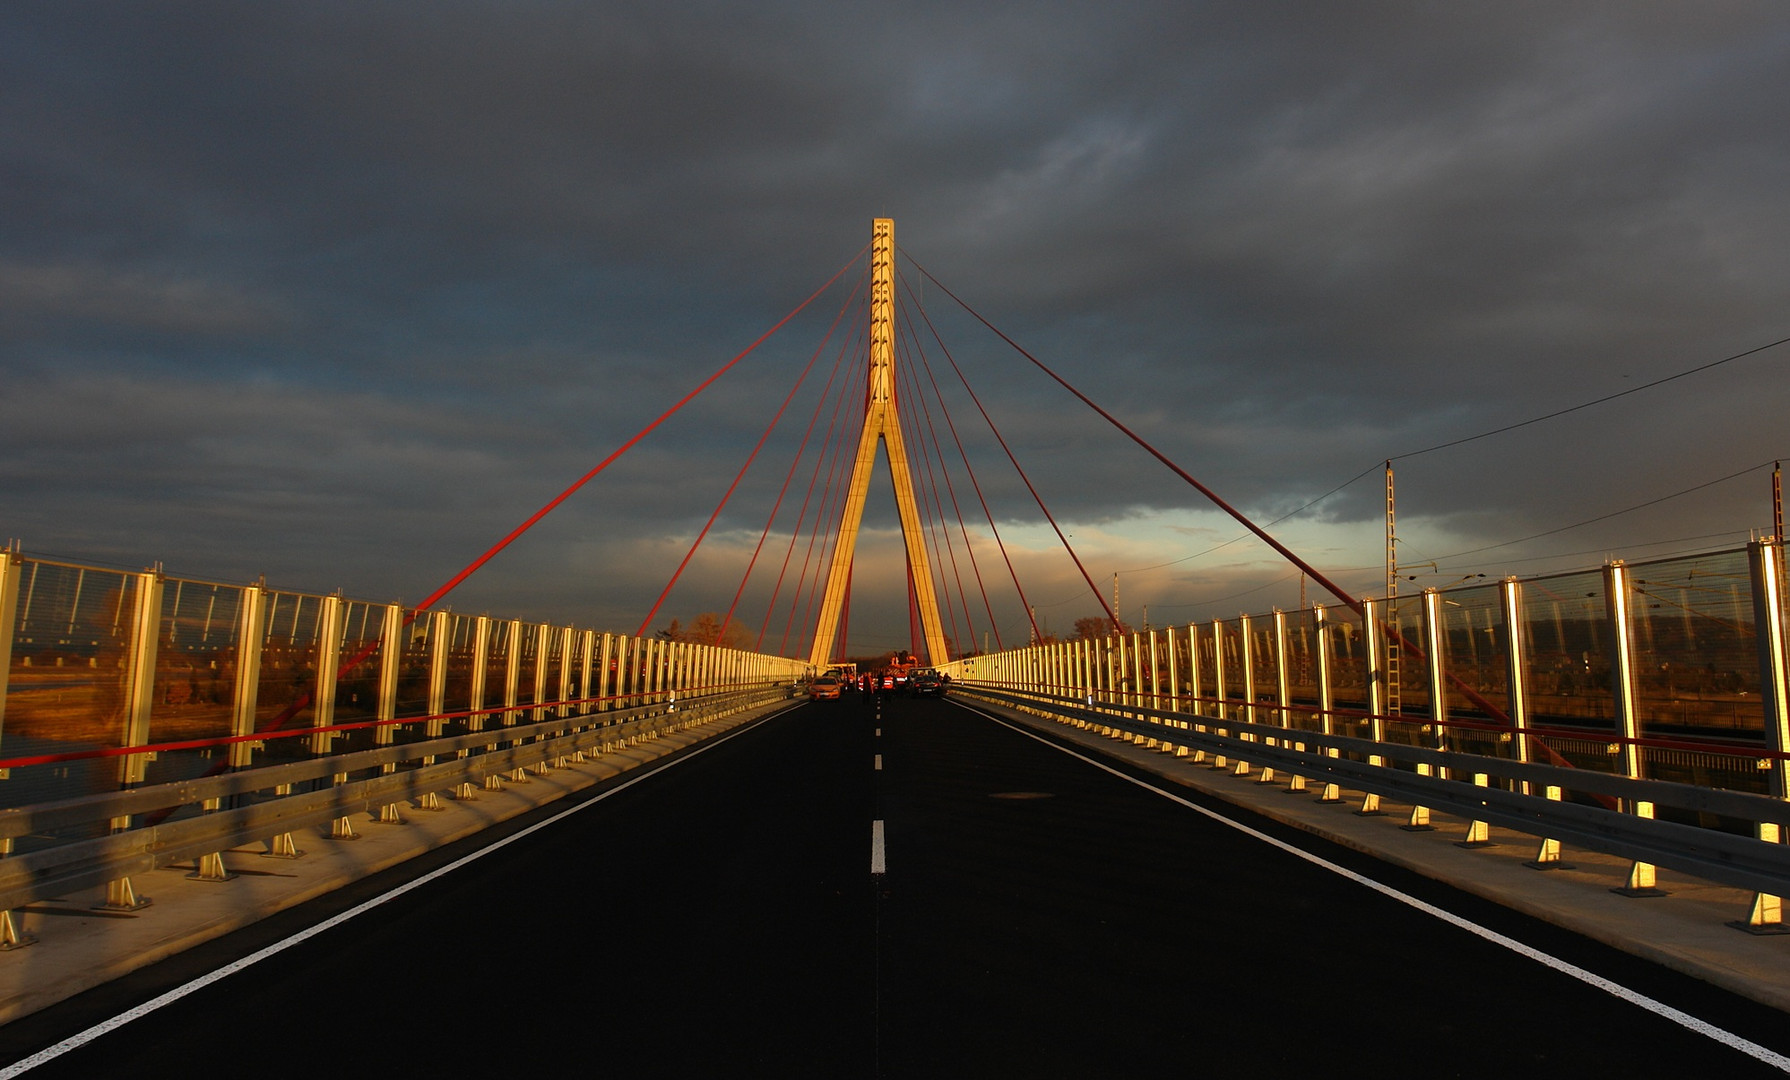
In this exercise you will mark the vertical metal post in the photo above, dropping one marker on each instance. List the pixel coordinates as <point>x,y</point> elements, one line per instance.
<point>9,617</point>
<point>329,660</point>
<point>391,659</point>
<point>11,937</point>
<point>250,610</point>
<point>1642,876</point>
<point>1326,646</point>
<point>606,665</point>
<point>481,663</point>
<point>512,670</point>
<point>146,626</point>
<point>440,655</point>
<point>1283,695</point>
<point>1174,671</point>
<point>543,660</point>
<point>1373,646</point>
<point>586,659</point>
<point>1246,661</point>
<point>1221,708</point>
<point>1765,561</point>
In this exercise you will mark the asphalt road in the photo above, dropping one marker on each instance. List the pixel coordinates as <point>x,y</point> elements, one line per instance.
<point>1036,916</point>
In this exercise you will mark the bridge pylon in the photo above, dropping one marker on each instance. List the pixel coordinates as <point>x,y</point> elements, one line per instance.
<point>882,425</point>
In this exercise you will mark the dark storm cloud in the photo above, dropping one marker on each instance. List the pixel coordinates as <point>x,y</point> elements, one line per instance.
<point>342,292</point>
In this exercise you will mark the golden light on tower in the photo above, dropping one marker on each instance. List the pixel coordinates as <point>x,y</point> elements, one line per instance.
<point>882,424</point>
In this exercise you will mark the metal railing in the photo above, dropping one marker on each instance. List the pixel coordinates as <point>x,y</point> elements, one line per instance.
<point>123,689</point>
<point>103,839</point>
<point>1639,710</point>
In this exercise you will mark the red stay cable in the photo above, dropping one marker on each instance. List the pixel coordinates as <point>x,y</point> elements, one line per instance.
<point>975,484</point>
<point>950,488</point>
<point>1353,604</point>
<point>794,463</point>
<point>940,528</point>
<point>795,533</point>
<point>304,700</point>
<point>776,418</point>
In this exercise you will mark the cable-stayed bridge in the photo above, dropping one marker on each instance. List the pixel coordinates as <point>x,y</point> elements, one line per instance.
<point>671,839</point>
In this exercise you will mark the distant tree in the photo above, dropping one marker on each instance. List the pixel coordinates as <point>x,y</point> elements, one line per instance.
<point>1095,628</point>
<point>706,628</point>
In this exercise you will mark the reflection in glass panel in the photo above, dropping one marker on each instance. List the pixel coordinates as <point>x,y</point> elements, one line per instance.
<point>195,662</point>
<point>67,678</point>
<point>413,669</point>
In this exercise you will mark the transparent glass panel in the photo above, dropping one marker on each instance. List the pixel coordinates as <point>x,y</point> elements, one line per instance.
<point>1569,670</point>
<point>1302,671</point>
<point>1474,658</point>
<point>66,680</point>
<point>195,661</point>
<point>413,669</point>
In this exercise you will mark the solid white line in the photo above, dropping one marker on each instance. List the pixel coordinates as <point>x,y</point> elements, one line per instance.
<point>104,1027</point>
<point>1633,997</point>
<point>878,863</point>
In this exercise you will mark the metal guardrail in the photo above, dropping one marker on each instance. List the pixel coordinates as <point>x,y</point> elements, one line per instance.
<point>1469,785</point>
<point>260,804</point>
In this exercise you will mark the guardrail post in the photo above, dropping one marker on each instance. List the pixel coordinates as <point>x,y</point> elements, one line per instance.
<point>1221,703</point>
<point>512,682</point>
<point>1373,646</point>
<point>1516,681</point>
<point>11,937</point>
<point>1246,661</point>
<point>1174,672</point>
<point>146,623</point>
<point>1642,876</point>
<point>438,625</point>
<point>1765,562</point>
<point>1283,694</point>
<point>1326,642</point>
<point>391,658</point>
<point>1438,692</point>
<point>9,616</point>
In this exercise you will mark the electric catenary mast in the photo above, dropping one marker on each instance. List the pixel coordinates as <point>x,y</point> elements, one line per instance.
<point>881,423</point>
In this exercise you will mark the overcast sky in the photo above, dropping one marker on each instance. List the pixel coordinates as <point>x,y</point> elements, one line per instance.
<point>341,293</point>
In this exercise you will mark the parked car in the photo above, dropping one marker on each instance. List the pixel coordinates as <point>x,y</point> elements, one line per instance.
<point>824,688</point>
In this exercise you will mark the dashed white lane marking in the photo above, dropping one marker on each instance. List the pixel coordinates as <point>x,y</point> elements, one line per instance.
<point>75,1042</point>
<point>879,763</point>
<point>878,862</point>
<point>1633,997</point>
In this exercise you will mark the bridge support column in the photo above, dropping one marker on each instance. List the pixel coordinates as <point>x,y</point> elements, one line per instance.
<point>1373,647</point>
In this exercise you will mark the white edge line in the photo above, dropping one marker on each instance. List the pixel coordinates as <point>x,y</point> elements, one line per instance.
<point>1634,997</point>
<point>104,1027</point>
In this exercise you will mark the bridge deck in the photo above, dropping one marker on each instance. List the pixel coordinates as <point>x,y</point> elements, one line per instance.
<point>1037,916</point>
